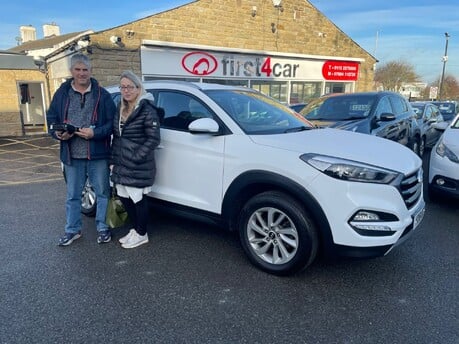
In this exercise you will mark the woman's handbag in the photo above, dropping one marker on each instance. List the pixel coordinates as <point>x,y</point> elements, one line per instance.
<point>116,214</point>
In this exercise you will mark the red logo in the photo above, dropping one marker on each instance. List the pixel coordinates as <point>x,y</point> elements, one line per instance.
<point>340,70</point>
<point>199,63</point>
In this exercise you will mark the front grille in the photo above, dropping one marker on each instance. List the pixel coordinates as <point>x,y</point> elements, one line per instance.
<point>411,188</point>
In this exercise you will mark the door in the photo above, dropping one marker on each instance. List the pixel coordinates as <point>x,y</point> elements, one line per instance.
<point>32,103</point>
<point>185,161</point>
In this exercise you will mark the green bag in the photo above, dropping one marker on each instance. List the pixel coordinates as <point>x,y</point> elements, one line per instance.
<point>116,214</point>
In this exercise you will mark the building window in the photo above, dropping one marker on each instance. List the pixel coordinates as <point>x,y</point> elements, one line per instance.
<point>303,92</point>
<point>276,90</point>
<point>338,87</point>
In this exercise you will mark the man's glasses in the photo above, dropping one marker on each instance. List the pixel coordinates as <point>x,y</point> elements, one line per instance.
<point>127,88</point>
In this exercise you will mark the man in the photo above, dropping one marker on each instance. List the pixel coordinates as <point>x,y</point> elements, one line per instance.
<point>84,104</point>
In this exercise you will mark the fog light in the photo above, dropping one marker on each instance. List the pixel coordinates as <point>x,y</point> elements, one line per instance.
<point>365,220</point>
<point>366,216</point>
<point>440,181</point>
<point>371,227</point>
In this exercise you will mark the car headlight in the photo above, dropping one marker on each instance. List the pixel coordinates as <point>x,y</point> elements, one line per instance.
<point>349,170</point>
<point>443,151</point>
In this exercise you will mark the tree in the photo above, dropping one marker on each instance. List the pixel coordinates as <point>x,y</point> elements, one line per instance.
<point>394,74</point>
<point>450,88</point>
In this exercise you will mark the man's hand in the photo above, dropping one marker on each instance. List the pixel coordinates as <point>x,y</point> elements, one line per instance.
<point>63,135</point>
<point>85,133</point>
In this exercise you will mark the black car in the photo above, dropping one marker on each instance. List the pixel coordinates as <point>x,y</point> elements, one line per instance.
<point>385,114</point>
<point>448,109</point>
<point>298,106</point>
<point>427,115</point>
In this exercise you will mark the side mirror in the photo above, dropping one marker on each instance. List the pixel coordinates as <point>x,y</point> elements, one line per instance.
<point>386,117</point>
<point>440,125</point>
<point>204,126</point>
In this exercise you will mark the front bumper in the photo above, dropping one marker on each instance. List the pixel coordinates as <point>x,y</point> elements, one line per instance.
<point>345,199</point>
<point>445,185</point>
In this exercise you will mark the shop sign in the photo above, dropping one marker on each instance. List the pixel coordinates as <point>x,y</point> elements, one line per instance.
<point>340,70</point>
<point>201,63</point>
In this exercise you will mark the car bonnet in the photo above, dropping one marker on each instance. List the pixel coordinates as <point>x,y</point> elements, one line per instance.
<point>451,139</point>
<point>347,145</point>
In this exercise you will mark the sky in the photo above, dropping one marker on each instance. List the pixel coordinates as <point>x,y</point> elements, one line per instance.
<point>390,30</point>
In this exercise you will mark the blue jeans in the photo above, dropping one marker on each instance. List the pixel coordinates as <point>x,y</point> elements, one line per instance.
<point>75,174</point>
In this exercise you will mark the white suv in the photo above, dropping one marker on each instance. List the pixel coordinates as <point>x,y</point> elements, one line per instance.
<point>233,155</point>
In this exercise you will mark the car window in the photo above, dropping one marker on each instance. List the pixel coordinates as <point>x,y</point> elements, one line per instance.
<point>340,108</point>
<point>180,109</point>
<point>446,108</point>
<point>418,109</point>
<point>435,112</point>
<point>255,113</point>
<point>384,106</point>
<point>428,114</point>
<point>399,105</point>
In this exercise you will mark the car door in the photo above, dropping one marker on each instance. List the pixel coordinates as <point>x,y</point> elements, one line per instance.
<point>403,118</point>
<point>384,128</point>
<point>185,161</point>
<point>432,116</point>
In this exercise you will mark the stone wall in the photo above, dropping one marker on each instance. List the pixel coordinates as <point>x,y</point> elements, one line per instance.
<point>299,28</point>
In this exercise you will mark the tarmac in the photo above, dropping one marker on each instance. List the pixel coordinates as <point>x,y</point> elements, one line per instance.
<point>31,159</point>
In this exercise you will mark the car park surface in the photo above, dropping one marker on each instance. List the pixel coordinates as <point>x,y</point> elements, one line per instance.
<point>444,163</point>
<point>244,160</point>
<point>192,284</point>
<point>427,116</point>
<point>192,281</point>
<point>384,114</point>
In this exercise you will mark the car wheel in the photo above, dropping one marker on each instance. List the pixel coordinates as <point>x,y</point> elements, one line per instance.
<point>422,147</point>
<point>88,200</point>
<point>277,234</point>
<point>415,146</point>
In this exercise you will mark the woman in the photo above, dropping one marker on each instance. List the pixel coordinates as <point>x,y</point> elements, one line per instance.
<point>135,137</point>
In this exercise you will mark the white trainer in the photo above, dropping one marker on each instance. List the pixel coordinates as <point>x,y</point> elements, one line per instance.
<point>124,239</point>
<point>135,240</point>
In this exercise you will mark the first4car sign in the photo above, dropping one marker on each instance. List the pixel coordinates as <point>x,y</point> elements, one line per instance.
<point>194,62</point>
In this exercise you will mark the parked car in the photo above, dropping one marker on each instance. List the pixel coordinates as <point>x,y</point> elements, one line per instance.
<point>427,115</point>
<point>448,109</point>
<point>444,162</point>
<point>298,106</point>
<point>250,164</point>
<point>384,114</point>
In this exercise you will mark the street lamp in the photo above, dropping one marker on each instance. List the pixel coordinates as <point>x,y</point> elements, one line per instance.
<point>444,58</point>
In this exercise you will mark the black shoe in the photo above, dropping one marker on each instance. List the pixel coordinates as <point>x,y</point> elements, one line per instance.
<point>68,238</point>
<point>104,236</point>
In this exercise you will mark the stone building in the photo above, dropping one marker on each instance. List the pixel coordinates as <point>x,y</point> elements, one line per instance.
<point>22,102</point>
<point>285,48</point>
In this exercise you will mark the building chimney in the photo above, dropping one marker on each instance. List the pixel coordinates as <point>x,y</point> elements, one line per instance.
<point>28,33</point>
<point>51,29</point>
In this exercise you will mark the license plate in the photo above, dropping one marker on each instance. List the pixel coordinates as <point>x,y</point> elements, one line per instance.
<point>417,218</point>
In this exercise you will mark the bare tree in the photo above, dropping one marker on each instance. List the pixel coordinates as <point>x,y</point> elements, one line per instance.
<point>450,88</point>
<point>392,75</point>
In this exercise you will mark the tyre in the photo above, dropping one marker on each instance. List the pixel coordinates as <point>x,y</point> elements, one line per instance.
<point>277,234</point>
<point>88,200</point>
<point>415,146</point>
<point>422,147</point>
